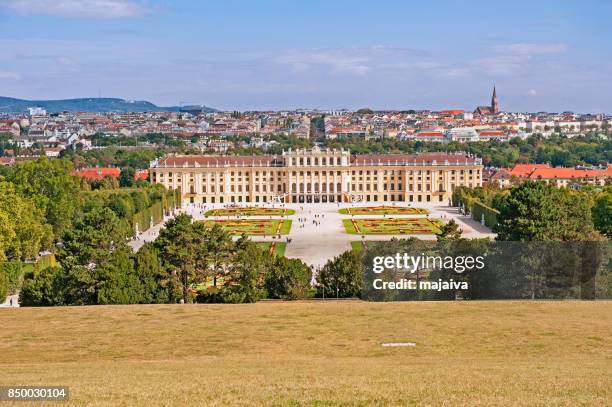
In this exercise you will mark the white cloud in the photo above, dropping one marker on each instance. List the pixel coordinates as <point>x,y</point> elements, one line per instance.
<point>339,60</point>
<point>499,65</point>
<point>97,9</point>
<point>509,59</point>
<point>9,75</point>
<point>532,92</point>
<point>355,61</point>
<point>529,49</point>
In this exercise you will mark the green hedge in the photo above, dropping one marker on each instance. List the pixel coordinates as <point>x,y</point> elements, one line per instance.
<point>170,200</point>
<point>479,209</point>
<point>474,207</point>
<point>3,286</point>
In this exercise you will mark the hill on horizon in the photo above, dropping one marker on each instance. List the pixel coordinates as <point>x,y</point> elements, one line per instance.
<point>94,105</point>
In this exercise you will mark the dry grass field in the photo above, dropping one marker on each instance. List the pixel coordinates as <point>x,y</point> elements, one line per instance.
<point>315,354</point>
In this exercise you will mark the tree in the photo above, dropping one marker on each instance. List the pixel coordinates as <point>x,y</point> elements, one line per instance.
<point>117,280</point>
<point>288,279</point>
<point>218,253</point>
<point>50,186</point>
<point>158,286</point>
<point>126,178</point>
<point>342,276</point>
<point>245,276</point>
<point>95,260</point>
<point>94,238</point>
<point>602,213</point>
<point>22,230</point>
<point>538,211</point>
<point>450,231</point>
<point>183,247</point>
<point>46,287</point>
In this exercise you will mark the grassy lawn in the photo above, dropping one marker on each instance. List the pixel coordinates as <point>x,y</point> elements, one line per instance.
<point>392,226</point>
<point>279,247</point>
<point>253,227</point>
<point>357,245</point>
<point>360,245</point>
<point>250,211</point>
<point>498,353</point>
<point>383,210</point>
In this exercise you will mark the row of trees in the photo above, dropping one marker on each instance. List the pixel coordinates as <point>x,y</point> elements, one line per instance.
<point>535,210</point>
<point>557,150</point>
<point>187,263</point>
<point>41,204</point>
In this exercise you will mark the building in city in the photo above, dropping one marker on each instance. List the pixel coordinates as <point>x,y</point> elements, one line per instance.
<point>493,109</point>
<point>317,176</point>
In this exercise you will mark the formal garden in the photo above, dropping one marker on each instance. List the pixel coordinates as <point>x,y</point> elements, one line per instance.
<point>250,211</point>
<point>252,227</point>
<point>392,226</point>
<point>383,210</point>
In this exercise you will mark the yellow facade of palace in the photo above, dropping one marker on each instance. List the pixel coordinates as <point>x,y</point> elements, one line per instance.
<point>317,176</point>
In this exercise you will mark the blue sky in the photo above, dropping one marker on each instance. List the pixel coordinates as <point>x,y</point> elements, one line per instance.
<point>541,55</point>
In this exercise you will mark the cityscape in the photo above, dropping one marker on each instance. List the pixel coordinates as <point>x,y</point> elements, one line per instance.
<point>316,204</point>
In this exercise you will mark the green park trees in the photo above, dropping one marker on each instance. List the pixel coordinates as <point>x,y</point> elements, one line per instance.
<point>342,276</point>
<point>23,232</point>
<point>50,186</point>
<point>538,211</point>
<point>602,212</point>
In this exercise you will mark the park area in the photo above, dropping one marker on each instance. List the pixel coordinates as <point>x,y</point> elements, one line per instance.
<point>252,227</point>
<point>392,226</point>
<point>383,210</point>
<point>250,211</point>
<point>498,353</point>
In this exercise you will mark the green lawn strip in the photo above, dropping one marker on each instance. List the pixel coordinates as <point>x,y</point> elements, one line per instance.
<point>357,246</point>
<point>349,227</point>
<point>286,227</point>
<point>279,247</point>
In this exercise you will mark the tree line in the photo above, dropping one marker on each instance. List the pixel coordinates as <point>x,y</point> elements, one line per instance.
<point>187,263</point>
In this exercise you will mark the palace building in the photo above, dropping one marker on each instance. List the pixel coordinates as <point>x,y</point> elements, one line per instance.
<point>316,176</point>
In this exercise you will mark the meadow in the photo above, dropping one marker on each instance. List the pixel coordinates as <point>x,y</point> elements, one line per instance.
<point>498,353</point>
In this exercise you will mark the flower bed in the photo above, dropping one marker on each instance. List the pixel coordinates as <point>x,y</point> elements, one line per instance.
<point>383,210</point>
<point>252,227</point>
<point>392,226</point>
<point>249,211</point>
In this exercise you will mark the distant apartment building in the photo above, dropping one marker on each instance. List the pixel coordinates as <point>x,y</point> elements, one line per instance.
<point>317,176</point>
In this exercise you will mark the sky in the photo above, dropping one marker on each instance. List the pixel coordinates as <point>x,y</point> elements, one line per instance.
<point>256,55</point>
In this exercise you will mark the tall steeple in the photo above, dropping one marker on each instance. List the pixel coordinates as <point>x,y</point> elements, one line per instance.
<point>494,104</point>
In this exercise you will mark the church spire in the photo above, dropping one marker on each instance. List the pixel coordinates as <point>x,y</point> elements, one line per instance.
<point>494,104</point>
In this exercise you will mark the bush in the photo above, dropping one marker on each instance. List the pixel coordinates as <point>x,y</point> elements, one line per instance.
<point>288,279</point>
<point>46,287</point>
